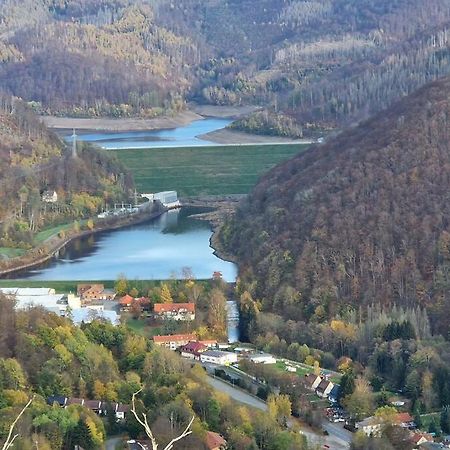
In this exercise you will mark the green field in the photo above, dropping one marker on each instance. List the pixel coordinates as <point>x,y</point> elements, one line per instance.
<point>195,171</point>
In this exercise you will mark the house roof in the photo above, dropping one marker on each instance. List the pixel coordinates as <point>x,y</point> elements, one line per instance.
<point>60,399</point>
<point>93,404</point>
<point>311,378</point>
<point>126,300</point>
<point>323,385</point>
<point>193,347</point>
<point>83,287</point>
<point>208,342</point>
<point>369,421</point>
<point>174,307</point>
<point>122,408</point>
<point>416,437</point>
<point>216,353</point>
<point>214,440</point>
<point>404,418</point>
<point>174,338</point>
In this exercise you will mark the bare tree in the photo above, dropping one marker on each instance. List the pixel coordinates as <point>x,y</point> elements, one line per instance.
<point>10,438</point>
<point>143,421</point>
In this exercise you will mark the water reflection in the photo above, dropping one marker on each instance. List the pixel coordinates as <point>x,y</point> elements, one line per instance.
<point>184,136</point>
<point>155,250</point>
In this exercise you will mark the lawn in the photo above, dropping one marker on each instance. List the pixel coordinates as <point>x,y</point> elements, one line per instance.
<point>49,232</point>
<point>7,252</point>
<point>194,171</point>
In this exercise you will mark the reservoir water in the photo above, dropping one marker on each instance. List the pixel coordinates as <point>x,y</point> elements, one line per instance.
<point>159,249</point>
<point>185,136</point>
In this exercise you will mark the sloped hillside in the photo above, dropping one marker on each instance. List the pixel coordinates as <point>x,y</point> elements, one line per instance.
<point>325,63</point>
<point>362,219</point>
<point>33,160</point>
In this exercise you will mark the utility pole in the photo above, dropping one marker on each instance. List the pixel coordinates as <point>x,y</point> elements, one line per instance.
<point>74,144</point>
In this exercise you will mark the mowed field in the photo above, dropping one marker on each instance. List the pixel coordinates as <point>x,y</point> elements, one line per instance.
<point>196,171</point>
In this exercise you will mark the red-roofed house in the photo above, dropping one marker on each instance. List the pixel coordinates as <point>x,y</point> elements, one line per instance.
<point>173,341</point>
<point>193,349</point>
<point>215,441</point>
<point>175,311</point>
<point>126,302</point>
<point>420,438</point>
<point>405,420</point>
<point>90,292</point>
<point>209,342</point>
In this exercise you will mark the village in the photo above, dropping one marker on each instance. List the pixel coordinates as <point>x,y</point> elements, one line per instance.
<point>231,362</point>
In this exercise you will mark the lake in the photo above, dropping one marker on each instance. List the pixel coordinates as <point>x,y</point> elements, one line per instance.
<point>185,136</point>
<point>155,250</point>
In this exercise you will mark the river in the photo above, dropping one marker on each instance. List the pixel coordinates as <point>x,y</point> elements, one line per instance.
<point>186,136</point>
<point>159,250</point>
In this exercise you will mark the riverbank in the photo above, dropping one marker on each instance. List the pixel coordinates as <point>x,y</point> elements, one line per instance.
<point>222,207</point>
<point>226,136</point>
<point>55,243</point>
<point>117,125</point>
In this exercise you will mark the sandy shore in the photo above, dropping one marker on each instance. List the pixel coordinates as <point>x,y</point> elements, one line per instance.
<point>133,124</point>
<point>227,136</point>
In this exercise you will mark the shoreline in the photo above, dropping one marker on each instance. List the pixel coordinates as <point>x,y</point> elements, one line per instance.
<point>223,206</point>
<point>50,248</point>
<point>121,125</point>
<point>225,136</point>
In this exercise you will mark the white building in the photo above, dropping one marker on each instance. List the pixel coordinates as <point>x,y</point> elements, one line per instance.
<point>50,197</point>
<point>263,358</point>
<point>169,199</point>
<point>218,357</point>
<point>63,305</point>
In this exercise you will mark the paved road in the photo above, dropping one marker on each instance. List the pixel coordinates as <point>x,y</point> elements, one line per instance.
<point>111,443</point>
<point>237,394</point>
<point>338,438</point>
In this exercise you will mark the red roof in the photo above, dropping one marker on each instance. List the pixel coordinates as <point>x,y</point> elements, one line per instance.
<point>174,307</point>
<point>214,440</point>
<point>126,300</point>
<point>416,437</point>
<point>194,347</point>
<point>174,338</point>
<point>403,418</point>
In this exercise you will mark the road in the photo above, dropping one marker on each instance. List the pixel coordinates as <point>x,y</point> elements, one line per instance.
<point>111,443</point>
<point>338,438</point>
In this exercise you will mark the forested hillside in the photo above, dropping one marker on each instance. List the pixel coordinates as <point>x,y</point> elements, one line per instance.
<point>361,220</point>
<point>323,62</point>
<point>344,256</point>
<point>33,161</point>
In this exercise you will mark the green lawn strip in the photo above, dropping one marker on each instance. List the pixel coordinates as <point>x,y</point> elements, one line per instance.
<point>427,418</point>
<point>49,232</point>
<point>8,252</point>
<point>204,170</point>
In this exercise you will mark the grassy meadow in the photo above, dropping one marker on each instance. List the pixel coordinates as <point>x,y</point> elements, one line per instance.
<point>196,171</point>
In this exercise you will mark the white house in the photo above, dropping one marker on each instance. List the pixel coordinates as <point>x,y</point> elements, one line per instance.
<point>324,388</point>
<point>218,357</point>
<point>370,426</point>
<point>49,197</point>
<point>175,311</point>
<point>173,341</point>
<point>263,358</point>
